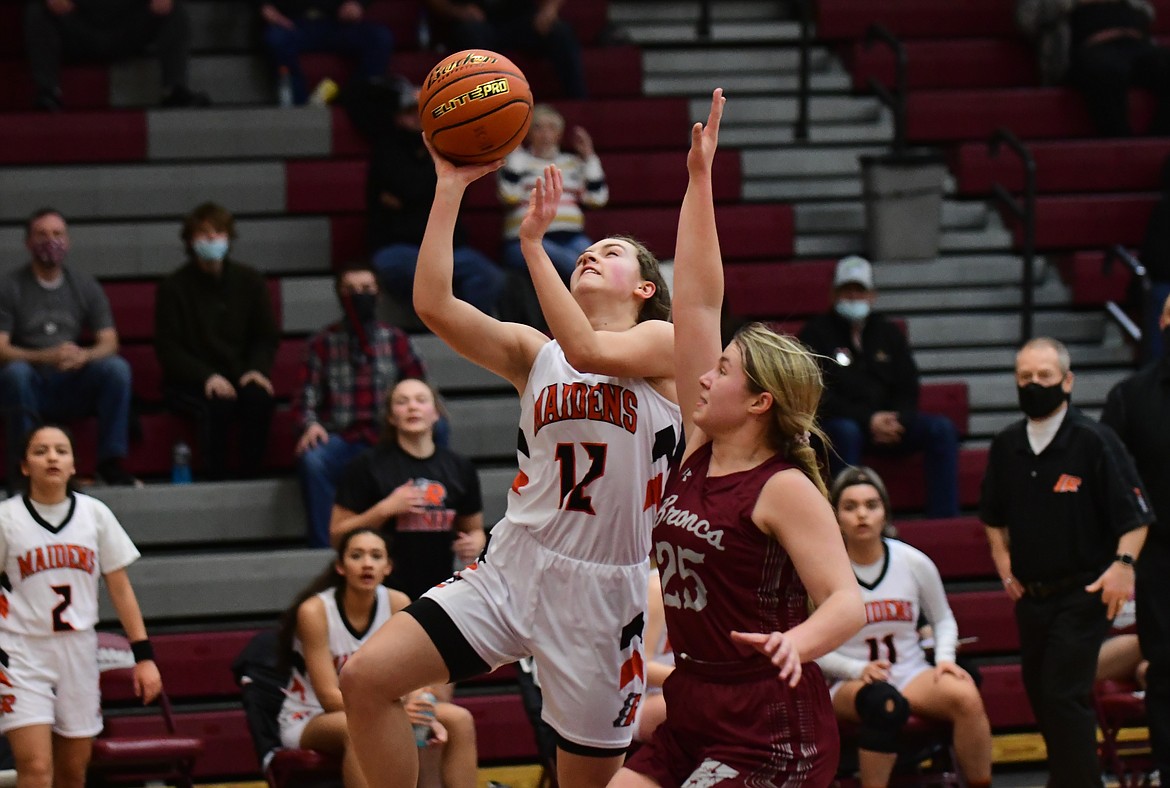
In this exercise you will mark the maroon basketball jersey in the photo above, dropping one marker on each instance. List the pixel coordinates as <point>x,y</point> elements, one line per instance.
<point>719,571</point>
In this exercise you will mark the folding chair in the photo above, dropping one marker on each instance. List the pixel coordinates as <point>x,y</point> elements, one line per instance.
<point>1118,707</point>
<point>161,754</point>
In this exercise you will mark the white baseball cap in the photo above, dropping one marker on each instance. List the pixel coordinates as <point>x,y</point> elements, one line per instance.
<point>853,269</point>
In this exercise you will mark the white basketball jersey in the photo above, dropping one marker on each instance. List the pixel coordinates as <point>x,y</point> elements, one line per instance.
<point>909,582</point>
<point>51,572</point>
<point>344,641</point>
<point>593,453</point>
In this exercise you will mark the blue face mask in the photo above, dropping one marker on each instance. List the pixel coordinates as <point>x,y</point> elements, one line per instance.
<point>211,250</point>
<point>853,311</point>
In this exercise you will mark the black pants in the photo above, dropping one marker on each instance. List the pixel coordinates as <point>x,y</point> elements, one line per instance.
<point>1153,625</point>
<point>48,37</point>
<point>1060,637</point>
<point>1105,72</point>
<point>559,45</point>
<point>252,408</point>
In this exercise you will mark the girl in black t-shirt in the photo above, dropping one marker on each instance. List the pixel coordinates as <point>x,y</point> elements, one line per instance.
<point>426,496</point>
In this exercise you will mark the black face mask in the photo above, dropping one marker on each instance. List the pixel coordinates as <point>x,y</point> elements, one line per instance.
<point>1038,401</point>
<point>365,306</point>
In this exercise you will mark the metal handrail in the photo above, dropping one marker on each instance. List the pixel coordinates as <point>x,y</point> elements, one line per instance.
<point>1118,253</point>
<point>894,99</point>
<point>800,132</point>
<point>1025,212</point>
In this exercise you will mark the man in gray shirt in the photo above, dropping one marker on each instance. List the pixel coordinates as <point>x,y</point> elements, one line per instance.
<point>45,310</point>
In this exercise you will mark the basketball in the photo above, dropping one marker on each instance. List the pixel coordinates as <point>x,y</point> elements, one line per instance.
<point>475,106</point>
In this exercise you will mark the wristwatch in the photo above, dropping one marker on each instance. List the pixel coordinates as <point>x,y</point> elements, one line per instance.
<point>1125,558</point>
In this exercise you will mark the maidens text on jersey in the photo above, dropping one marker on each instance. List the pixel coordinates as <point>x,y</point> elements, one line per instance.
<point>57,556</point>
<point>606,402</point>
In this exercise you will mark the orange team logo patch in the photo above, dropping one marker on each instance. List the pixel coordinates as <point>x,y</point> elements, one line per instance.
<point>1067,483</point>
<point>5,680</point>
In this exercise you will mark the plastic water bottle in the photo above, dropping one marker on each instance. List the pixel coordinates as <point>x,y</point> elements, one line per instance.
<point>284,91</point>
<point>181,464</point>
<point>422,731</point>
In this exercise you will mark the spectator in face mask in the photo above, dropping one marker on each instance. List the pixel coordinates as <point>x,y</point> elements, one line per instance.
<point>45,308</point>
<point>215,336</point>
<point>350,368</point>
<point>871,389</point>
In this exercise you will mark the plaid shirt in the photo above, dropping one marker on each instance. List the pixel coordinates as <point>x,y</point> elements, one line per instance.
<point>343,388</point>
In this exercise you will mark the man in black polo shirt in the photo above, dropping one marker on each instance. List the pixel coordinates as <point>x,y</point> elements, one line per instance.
<point>1138,409</point>
<point>1066,517</point>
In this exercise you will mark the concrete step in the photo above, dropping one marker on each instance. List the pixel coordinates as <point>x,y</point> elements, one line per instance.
<point>1051,293</point>
<point>763,110</point>
<point>226,78</point>
<point>783,133</point>
<point>742,84</point>
<point>1002,328</point>
<point>993,238</point>
<point>258,133</point>
<point>805,161</point>
<point>837,217</point>
<point>795,189</point>
<point>113,250</point>
<point>142,190</point>
<point>962,360</point>
<point>625,12</point>
<point>678,32</point>
<point>955,270</point>
<point>717,62</point>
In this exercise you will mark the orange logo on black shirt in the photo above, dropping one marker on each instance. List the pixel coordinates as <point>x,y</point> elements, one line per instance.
<point>1067,483</point>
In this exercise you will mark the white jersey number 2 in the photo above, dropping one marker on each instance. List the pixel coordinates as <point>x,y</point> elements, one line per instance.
<point>694,593</point>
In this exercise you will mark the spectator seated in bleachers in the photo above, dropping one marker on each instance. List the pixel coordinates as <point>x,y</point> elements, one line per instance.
<point>871,389</point>
<point>104,30</point>
<point>295,27</point>
<point>422,495</point>
<point>400,187</point>
<point>216,337</point>
<point>882,675</point>
<point>584,185</point>
<point>527,25</point>
<point>1102,47</point>
<point>46,309</point>
<point>330,619</point>
<point>350,368</point>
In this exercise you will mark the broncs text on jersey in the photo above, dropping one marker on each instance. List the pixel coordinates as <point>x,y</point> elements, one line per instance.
<point>606,402</point>
<point>689,521</point>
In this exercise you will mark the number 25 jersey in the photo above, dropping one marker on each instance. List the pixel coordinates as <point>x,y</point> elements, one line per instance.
<point>719,571</point>
<point>593,452</point>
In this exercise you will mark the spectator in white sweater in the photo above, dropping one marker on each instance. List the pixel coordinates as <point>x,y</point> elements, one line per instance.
<point>584,185</point>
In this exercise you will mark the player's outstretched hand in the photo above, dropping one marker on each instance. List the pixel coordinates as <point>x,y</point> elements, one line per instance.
<point>147,681</point>
<point>462,174</point>
<point>542,204</point>
<point>705,138</point>
<point>777,647</point>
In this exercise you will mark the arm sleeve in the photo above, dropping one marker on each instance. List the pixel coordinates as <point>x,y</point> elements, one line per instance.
<point>596,193</point>
<point>357,490</point>
<point>934,605</point>
<point>310,393</point>
<point>906,385</point>
<point>1114,414</point>
<point>991,508</point>
<point>179,364</point>
<point>95,305</point>
<point>1126,502</point>
<point>264,332</point>
<point>836,665</point>
<point>115,550</point>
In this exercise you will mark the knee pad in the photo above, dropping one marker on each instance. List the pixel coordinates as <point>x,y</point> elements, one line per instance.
<point>883,711</point>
